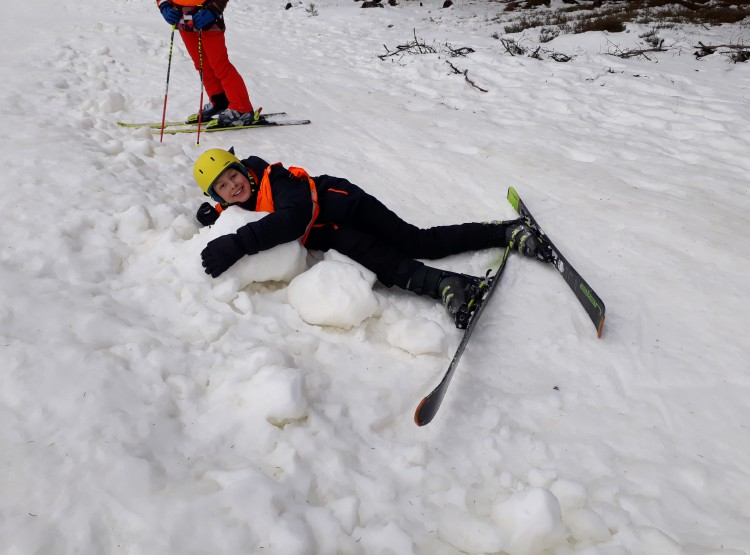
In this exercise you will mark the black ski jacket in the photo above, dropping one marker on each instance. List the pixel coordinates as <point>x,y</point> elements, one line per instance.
<point>293,206</point>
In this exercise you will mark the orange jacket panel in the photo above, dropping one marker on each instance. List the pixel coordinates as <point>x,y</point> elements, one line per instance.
<point>264,202</point>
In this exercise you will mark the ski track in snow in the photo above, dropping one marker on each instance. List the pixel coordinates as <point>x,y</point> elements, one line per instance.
<point>147,413</point>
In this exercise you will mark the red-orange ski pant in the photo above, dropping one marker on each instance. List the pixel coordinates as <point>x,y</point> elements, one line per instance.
<point>219,75</point>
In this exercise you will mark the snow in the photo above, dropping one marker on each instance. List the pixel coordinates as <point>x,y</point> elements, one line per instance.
<point>345,305</point>
<point>147,408</point>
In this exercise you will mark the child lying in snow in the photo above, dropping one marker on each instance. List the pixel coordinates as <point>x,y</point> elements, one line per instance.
<point>327,212</point>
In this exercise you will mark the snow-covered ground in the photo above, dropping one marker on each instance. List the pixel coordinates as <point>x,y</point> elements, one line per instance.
<point>147,409</point>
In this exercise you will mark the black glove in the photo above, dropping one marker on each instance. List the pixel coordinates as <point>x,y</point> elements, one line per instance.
<point>207,214</point>
<point>203,19</point>
<point>170,14</point>
<point>221,253</point>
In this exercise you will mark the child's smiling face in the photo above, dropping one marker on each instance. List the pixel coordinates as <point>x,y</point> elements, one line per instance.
<point>232,186</point>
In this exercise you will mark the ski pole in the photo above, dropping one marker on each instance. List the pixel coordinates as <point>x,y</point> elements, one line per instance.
<point>200,104</point>
<point>166,90</point>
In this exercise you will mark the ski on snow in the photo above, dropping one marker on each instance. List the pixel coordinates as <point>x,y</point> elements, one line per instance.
<point>157,124</point>
<point>257,125</point>
<point>588,298</point>
<point>429,406</point>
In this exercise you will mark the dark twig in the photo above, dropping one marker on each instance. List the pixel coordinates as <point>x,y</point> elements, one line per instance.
<point>642,52</point>
<point>736,52</point>
<point>462,51</point>
<point>560,57</point>
<point>466,76</point>
<point>512,47</point>
<point>415,47</point>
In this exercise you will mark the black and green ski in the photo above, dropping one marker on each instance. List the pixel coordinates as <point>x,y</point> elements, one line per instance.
<point>429,406</point>
<point>588,298</point>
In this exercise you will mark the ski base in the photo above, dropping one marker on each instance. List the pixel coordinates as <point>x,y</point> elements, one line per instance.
<point>429,406</point>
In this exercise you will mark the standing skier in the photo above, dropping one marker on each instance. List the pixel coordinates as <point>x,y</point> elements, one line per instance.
<point>201,26</point>
<point>327,212</point>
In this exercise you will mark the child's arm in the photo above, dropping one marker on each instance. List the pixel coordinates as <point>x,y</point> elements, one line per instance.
<point>293,209</point>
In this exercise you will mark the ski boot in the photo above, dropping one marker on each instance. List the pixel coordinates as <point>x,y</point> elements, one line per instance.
<point>219,103</point>
<point>233,118</point>
<point>524,239</point>
<point>459,294</point>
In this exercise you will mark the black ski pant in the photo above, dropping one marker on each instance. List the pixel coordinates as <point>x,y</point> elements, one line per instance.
<point>361,227</point>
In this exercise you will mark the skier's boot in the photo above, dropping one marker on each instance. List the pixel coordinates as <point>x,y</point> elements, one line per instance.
<point>219,103</point>
<point>234,118</point>
<point>520,237</point>
<point>457,292</point>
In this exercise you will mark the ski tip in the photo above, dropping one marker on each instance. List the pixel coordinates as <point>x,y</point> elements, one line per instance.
<point>419,418</point>
<point>513,197</point>
<point>600,327</point>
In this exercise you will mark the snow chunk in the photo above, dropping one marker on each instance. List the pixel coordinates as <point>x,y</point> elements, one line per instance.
<point>332,294</point>
<point>417,336</point>
<point>281,263</point>
<point>532,521</point>
<point>133,222</point>
<point>278,394</point>
<point>143,147</point>
<point>112,102</point>
<point>335,256</point>
<point>112,147</point>
<point>570,494</point>
<point>469,533</point>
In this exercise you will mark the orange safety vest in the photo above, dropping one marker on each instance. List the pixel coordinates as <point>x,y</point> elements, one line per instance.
<point>264,202</point>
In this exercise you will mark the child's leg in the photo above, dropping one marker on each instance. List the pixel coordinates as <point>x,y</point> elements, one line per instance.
<point>366,213</point>
<point>231,82</point>
<point>210,81</point>
<point>430,243</point>
<point>391,266</point>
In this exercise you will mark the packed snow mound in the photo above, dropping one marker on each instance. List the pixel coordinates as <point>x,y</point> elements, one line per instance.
<point>531,520</point>
<point>277,394</point>
<point>333,293</point>
<point>281,263</point>
<point>335,256</point>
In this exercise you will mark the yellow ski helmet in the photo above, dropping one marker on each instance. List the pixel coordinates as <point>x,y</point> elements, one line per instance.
<point>210,165</point>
